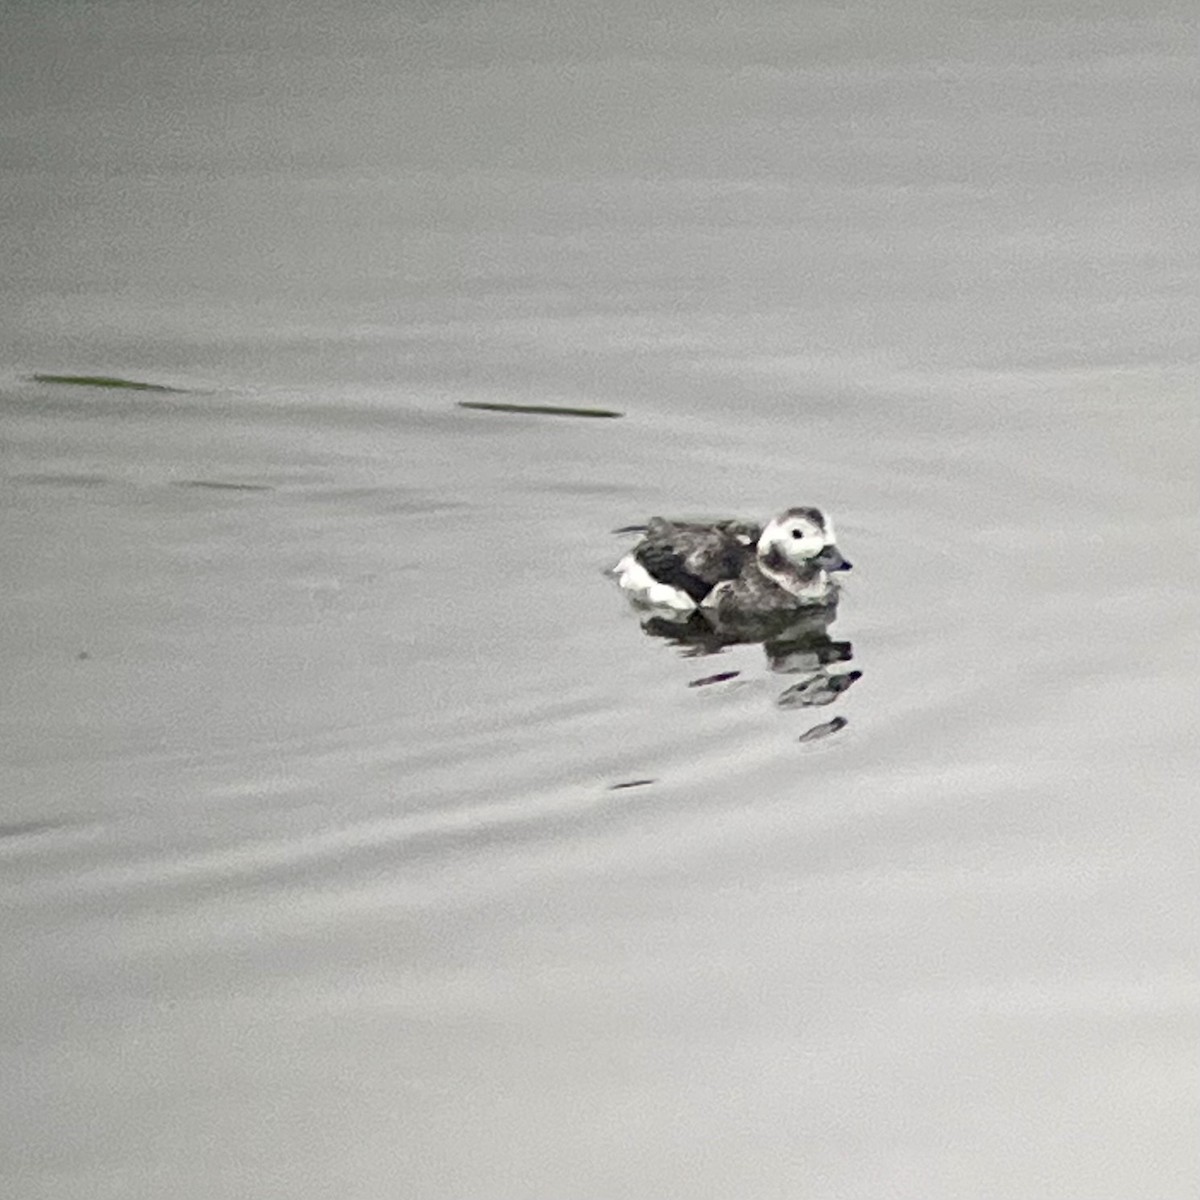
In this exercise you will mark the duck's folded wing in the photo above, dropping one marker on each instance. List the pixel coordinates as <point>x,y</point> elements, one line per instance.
<point>664,562</point>
<point>693,558</point>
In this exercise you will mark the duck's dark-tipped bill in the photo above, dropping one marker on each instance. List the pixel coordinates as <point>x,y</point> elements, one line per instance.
<point>830,559</point>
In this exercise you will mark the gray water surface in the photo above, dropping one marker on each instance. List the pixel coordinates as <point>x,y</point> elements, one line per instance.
<point>316,876</point>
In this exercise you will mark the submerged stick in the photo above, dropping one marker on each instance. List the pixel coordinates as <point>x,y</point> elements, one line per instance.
<point>544,410</point>
<point>105,381</point>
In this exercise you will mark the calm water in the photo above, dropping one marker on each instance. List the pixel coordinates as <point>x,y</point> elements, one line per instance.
<point>314,876</point>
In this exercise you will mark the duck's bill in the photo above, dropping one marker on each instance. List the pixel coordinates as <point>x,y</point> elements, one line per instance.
<point>830,559</point>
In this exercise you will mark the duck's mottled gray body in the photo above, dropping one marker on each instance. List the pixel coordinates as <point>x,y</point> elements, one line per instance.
<point>755,592</point>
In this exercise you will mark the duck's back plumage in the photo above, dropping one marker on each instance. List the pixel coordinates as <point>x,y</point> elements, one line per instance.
<point>695,558</point>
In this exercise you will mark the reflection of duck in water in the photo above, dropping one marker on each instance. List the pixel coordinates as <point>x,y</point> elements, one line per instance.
<point>800,647</point>
<point>733,571</point>
<point>818,689</point>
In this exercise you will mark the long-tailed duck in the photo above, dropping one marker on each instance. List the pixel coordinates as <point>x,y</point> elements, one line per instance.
<point>734,569</point>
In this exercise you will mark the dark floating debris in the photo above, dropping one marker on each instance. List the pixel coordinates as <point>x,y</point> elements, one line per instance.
<point>719,677</point>
<point>543,410</point>
<point>106,381</point>
<point>31,828</point>
<point>217,485</point>
<point>817,690</point>
<point>630,783</point>
<point>61,480</point>
<point>817,732</point>
<point>82,656</point>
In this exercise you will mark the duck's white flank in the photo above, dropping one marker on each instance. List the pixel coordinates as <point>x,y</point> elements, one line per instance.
<point>645,589</point>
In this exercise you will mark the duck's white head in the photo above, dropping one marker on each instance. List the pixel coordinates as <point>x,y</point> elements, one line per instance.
<point>801,538</point>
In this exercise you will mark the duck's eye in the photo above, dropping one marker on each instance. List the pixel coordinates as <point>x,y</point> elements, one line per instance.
<point>797,533</point>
